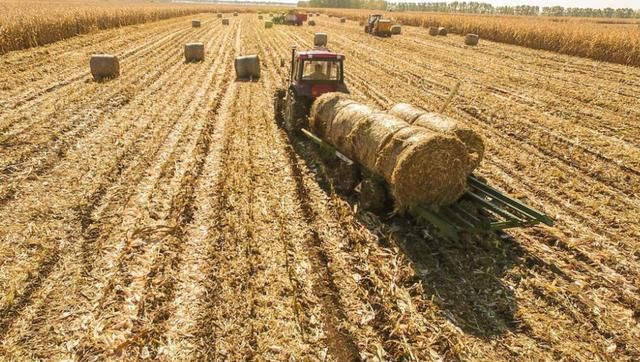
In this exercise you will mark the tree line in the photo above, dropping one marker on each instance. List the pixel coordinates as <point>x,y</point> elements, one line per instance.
<point>473,7</point>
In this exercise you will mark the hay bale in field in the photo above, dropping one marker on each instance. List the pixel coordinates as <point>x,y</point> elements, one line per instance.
<point>320,39</point>
<point>259,17</point>
<point>104,66</point>
<point>225,21</point>
<point>312,23</point>
<point>396,29</point>
<point>471,39</point>
<point>433,31</point>
<point>440,123</point>
<point>194,52</point>
<point>442,31</point>
<point>268,24</point>
<point>361,23</point>
<point>219,15</point>
<point>421,166</point>
<point>195,23</point>
<point>235,13</point>
<point>343,20</point>
<point>247,67</point>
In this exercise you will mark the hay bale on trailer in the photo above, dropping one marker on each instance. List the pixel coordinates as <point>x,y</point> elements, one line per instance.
<point>195,23</point>
<point>225,21</point>
<point>320,39</point>
<point>104,66</point>
<point>471,39</point>
<point>312,23</point>
<point>247,67</point>
<point>433,31</point>
<point>421,166</point>
<point>268,24</point>
<point>194,52</point>
<point>440,123</point>
<point>442,31</point>
<point>343,20</point>
<point>396,29</point>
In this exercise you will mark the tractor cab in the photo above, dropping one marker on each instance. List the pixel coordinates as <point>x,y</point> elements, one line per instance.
<point>312,73</point>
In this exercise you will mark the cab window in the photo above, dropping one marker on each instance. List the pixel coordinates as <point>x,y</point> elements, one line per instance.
<point>321,70</point>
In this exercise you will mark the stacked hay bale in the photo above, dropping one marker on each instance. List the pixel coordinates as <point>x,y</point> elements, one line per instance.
<point>421,166</point>
<point>433,31</point>
<point>268,24</point>
<point>195,23</point>
<point>471,39</point>
<point>320,39</point>
<point>396,29</point>
<point>194,52</point>
<point>312,23</point>
<point>442,124</point>
<point>247,67</point>
<point>225,21</point>
<point>104,66</point>
<point>442,31</point>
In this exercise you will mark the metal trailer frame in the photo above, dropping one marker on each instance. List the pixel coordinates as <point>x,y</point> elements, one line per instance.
<point>495,210</point>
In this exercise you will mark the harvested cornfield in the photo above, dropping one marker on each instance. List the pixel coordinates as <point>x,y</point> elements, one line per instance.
<point>164,215</point>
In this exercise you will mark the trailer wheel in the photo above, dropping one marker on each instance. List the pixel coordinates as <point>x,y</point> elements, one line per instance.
<point>373,195</point>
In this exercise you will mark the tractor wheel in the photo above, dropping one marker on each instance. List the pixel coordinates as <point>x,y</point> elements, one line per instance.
<point>278,100</point>
<point>295,112</point>
<point>373,195</point>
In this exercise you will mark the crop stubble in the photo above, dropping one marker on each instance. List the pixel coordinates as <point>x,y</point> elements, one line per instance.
<point>164,214</point>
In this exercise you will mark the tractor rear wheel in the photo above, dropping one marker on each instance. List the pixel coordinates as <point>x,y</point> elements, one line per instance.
<point>295,112</point>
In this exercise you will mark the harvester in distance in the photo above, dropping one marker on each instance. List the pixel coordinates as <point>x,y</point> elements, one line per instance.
<point>292,17</point>
<point>377,25</point>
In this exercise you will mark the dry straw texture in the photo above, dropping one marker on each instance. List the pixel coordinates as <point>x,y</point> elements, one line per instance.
<point>420,165</point>
<point>445,125</point>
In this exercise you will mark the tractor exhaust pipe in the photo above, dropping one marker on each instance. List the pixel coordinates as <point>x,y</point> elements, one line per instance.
<point>293,56</point>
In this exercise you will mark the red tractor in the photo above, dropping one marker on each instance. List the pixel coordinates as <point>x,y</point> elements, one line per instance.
<point>312,74</point>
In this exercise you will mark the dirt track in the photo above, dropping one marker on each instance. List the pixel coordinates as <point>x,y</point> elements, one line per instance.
<point>164,214</point>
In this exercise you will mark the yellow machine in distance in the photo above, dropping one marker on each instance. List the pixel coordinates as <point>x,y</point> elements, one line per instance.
<point>376,25</point>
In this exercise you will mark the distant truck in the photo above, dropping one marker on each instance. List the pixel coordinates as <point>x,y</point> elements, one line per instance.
<point>291,18</point>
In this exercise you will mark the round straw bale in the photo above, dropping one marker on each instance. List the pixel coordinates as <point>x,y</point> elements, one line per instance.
<point>219,15</point>
<point>443,124</point>
<point>320,39</point>
<point>235,13</point>
<point>259,17</point>
<point>194,52</point>
<point>471,39</point>
<point>372,134</point>
<point>396,29</point>
<point>423,167</point>
<point>312,23</point>
<point>104,66</point>
<point>472,140</point>
<point>347,120</point>
<point>195,23</point>
<point>268,24</point>
<point>433,31</point>
<point>225,21</point>
<point>343,20</point>
<point>442,31</point>
<point>247,66</point>
<point>324,110</point>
